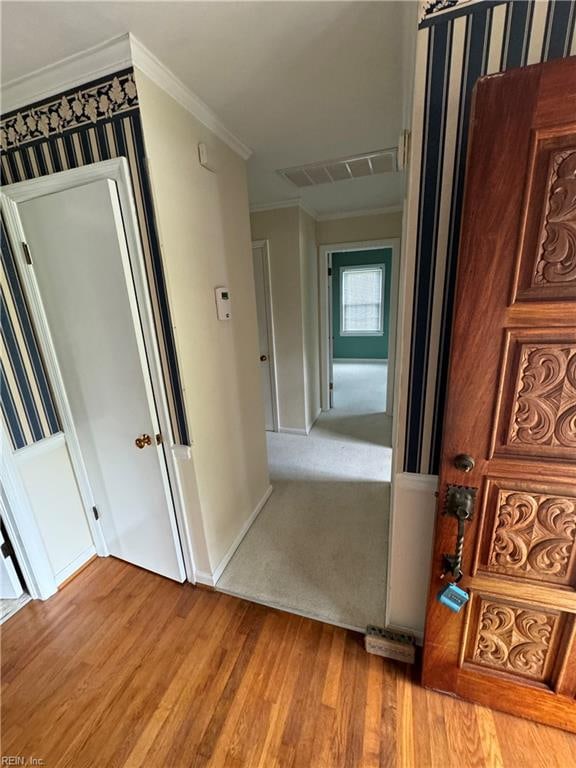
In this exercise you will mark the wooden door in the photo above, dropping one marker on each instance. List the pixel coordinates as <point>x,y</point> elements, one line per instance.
<point>512,406</point>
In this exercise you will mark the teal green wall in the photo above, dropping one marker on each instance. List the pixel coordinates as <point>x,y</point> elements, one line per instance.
<point>371,347</point>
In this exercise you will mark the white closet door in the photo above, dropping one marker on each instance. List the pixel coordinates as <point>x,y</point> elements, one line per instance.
<point>82,266</point>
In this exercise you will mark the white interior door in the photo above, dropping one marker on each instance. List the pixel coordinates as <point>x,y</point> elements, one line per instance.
<point>10,587</point>
<point>262,285</point>
<point>82,268</point>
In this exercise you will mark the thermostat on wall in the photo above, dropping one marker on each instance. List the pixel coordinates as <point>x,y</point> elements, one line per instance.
<point>223,307</point>
<point>203,157</point>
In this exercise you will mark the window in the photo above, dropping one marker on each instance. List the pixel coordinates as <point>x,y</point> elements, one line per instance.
<point>361,292</point>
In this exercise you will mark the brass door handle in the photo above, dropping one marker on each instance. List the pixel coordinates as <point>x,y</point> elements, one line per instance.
<point>143,441</point>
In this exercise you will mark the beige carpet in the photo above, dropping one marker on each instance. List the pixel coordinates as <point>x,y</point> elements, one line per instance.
<point>319,546</point>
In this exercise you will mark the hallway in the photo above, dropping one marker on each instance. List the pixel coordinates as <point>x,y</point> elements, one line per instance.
<point>319,546</point>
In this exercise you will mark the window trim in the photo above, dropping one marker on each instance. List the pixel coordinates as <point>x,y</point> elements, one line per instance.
<point>354,268</point>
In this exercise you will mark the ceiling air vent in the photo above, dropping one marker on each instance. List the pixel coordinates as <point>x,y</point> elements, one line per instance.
<point>353,167</point>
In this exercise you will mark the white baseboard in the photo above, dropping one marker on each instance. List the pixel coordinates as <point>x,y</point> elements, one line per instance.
<point>360,359</point>
<point>293,431</point>
<point>211,579</point>
<point>77,563</point>
<point>203,577</point>
<point>314,420</point>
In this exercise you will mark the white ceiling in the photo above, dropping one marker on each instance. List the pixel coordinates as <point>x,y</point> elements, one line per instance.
<point>298,82</point>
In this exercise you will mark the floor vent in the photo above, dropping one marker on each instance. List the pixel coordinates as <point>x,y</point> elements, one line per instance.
<point>392,645</point>
<point>353,167</point>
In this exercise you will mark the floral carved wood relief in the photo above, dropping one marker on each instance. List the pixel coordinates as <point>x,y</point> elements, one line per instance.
<point>513,639</point>
<point>545,399</point>
<point>556,258</point>
<point>533,535</point>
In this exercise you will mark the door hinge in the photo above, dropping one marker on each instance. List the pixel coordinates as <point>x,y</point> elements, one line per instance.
<point>331,386</point>
<point>7,550</point>
<point>329,271</point>
<point>159,438</point>
<point>27,254</point>
<point>96,513</point>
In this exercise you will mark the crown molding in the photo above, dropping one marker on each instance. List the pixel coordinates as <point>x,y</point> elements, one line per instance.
<point>105,59</point>
<point>358,213</point>
<point>260,207</point>
<point>153,68</point>
<point>100,60</point>
<point>309,210</point>
<point>257,207</point>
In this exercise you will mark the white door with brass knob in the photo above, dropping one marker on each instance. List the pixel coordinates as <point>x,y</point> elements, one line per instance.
<point>265,331</point>
<point>82,267</point>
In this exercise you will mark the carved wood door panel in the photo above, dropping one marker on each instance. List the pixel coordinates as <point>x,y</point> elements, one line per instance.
<point>512,406</point>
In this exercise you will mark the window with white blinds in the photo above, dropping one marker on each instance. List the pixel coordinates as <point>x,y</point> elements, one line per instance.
<point>362,292</point>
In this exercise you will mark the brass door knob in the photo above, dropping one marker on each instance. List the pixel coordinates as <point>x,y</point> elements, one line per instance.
<point>143,441</point>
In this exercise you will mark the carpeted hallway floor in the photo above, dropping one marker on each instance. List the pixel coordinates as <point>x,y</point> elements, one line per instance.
<point>319,546</point>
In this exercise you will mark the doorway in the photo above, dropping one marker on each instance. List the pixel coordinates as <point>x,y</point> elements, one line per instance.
<point>319,545</point>
<point>356,332</point>
<point>359,326</point>
<point>101,364</point>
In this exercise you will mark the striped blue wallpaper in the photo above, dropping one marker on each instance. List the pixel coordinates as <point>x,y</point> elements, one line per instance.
<point>98,121</point>
<point>27,406</point>
<point>460,41</point>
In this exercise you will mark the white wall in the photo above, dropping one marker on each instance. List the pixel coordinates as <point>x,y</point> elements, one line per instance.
<point>205,240</point>
<point>50,484</point>
<point>356,229</point>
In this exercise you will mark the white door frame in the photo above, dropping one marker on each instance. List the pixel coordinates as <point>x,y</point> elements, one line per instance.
<point>325,253</point>
<point>115,170</point>
<point>265,245</point>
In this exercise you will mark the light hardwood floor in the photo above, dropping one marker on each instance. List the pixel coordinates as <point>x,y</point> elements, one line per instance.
<point>125,668</point>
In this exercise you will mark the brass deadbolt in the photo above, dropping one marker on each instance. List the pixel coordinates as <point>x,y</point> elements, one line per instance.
<point>464,462</point>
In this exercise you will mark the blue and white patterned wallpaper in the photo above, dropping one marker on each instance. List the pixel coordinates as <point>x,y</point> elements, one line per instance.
<point>97,121</point>
<point>459,42</point>
<point>27,405</point>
